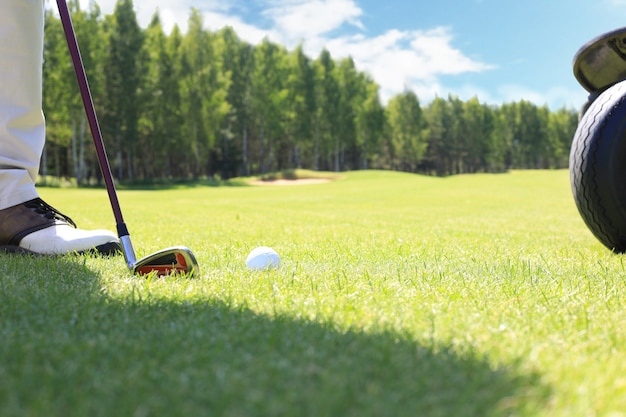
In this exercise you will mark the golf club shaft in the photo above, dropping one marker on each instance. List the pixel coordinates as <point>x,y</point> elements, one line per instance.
<point>85,93</point>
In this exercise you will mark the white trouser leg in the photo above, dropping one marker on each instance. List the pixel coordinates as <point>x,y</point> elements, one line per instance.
<point>22,126</point>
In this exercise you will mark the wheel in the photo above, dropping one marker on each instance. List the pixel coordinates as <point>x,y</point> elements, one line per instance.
<point>598,167</point>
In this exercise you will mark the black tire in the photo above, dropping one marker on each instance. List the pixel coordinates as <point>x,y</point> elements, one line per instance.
<point>598,167</point>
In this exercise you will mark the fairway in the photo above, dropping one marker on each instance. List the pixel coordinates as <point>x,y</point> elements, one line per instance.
<point>398,295</point>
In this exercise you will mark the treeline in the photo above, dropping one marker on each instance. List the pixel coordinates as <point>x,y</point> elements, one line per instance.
<point>204,103</point>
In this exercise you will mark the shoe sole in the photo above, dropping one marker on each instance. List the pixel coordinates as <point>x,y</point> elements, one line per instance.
<point>108,249</point>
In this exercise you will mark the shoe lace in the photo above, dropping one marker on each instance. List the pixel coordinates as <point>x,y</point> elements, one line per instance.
<point>46,210</point>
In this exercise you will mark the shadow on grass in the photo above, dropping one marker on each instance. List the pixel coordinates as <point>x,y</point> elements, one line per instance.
<point>69,349</point>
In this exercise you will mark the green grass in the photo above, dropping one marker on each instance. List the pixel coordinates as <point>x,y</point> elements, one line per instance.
<point>398,295</point>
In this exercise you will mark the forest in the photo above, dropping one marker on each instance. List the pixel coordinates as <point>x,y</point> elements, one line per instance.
<point>206,104</point>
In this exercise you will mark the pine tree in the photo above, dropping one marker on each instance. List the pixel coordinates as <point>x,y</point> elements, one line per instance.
<point>122,82</point>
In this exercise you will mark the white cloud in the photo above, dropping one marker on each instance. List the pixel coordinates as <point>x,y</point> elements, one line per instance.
<point>171,17</point>
<point>396,59</point>
<point>302,19</point>
<point>245,31</point>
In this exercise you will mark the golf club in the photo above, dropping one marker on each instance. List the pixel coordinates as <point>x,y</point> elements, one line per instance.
<point>178,259</point>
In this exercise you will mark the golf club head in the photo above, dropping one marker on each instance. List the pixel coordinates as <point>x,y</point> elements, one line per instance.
<point>177,259</point>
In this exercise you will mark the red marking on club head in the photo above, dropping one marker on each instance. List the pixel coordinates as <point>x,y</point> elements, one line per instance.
<point>180,266</point>
<point>181,260</point>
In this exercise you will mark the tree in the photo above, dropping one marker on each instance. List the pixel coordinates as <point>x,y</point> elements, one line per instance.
<point>300,109</point>
<point>269,101</point>
<point>439,154</point>
<point>348,83</point>
<point>407,125</point>
<point>66,120</point>
<point>529,135</point>
<point>561,126</point>
<point>160,117</point>
<point>370,122</point>
<point>204,89</point>
<point>504,137</point>
<point>207,103</point>
<point>122,81</point>
<point>327,111</point>
<point>479,140</point>
<point>233,153</point>
<point>59,85</point>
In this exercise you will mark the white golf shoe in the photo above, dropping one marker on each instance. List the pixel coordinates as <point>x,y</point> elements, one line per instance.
<point>38,228</point>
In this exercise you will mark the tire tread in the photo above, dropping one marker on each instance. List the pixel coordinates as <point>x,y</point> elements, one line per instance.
<point>586,161</point>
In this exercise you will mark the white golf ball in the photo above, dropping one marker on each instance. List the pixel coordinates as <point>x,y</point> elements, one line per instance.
<point>262,258</point>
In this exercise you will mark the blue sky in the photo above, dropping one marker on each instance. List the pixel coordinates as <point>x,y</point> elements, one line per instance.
<point>497,50</point>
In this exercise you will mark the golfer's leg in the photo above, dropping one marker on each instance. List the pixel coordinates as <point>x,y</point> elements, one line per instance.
<point>26,222</point>
<point>22,127</point>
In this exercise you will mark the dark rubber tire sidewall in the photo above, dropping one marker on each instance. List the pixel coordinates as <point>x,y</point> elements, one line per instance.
<point>598,167</point>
